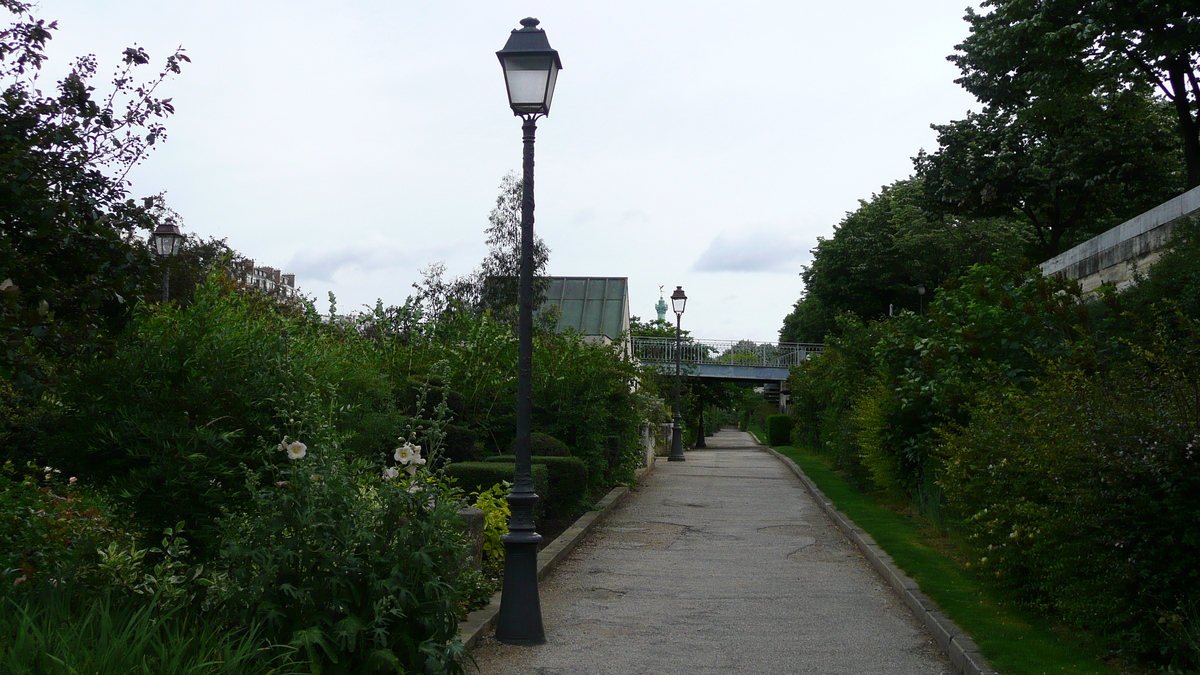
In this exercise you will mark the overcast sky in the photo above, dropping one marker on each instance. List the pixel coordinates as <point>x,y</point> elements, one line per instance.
<point>690,143</point>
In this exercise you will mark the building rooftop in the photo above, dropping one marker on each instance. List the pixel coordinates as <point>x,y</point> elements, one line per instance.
<point>589,305</point>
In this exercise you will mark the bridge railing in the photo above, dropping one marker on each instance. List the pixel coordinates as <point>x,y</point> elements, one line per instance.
<point>726,352</point>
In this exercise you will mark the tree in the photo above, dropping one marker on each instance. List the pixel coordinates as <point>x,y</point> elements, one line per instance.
<point>71,263</point>
<point>1071,167</point>
<point>494,285</point>
<point>879,254</point>
<point>1025,51</point>
<point>501,268</point>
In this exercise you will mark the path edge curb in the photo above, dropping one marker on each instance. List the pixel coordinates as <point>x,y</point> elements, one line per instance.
<point>481,621</point>
<point>958,646</point>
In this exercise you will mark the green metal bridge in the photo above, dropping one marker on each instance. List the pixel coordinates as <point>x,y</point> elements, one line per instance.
<point>730,360</point>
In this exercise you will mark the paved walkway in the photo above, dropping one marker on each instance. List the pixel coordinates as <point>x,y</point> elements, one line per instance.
<point>720,564</point>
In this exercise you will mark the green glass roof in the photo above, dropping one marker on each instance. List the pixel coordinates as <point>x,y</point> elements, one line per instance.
<point>590,305</point>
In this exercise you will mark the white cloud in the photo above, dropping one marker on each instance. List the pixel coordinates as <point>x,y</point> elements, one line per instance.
<point>754,251</point>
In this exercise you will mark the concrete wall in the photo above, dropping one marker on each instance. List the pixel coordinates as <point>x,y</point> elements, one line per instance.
<point>1112,257</point>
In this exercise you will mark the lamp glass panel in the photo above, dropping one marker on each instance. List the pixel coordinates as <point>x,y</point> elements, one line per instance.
<point>677,304</point>
<point>528,78</point>
<point>167,245</point>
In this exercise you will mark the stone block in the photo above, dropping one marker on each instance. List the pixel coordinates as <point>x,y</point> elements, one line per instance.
<point>473,521</point>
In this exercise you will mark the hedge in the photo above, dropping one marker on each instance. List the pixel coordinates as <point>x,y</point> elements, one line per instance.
<point>779,430</point>
<point>568,482</point>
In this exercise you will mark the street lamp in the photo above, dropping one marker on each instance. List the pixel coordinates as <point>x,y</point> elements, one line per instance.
<point>678,302</point>
<point>921,299</point>
<point>167,241</point>
<point>530,71</point>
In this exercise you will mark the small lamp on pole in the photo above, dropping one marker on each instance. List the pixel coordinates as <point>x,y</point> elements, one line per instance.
<point>167,241</point>
<point>678,303</point>
<point>921,298</point>
<point>530,72</point>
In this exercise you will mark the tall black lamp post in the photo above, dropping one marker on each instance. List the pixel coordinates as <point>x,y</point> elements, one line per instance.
<point>530,70</point>
<point>167,240</point>
<point>921,299</point>
<point>678,302</point>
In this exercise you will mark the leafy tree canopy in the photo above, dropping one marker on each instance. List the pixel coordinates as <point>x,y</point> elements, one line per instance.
<point>70,264</point>
<point>881,253</point>
<point>1071,167</point>
<point>1024,52</point>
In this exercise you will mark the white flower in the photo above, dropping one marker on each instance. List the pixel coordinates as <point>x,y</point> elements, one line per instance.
<point>415,488</point>
<point>296,450</point>
<point>404,454</point>
<point>411,469</point>
<point>390,472</point>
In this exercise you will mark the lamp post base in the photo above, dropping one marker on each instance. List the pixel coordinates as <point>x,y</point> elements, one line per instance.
<point>520,618</point>
<point>676,443</point>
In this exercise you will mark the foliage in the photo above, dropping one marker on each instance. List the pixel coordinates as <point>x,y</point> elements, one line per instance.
<point>58,632</point>
<point>501,268</point>
<point>660,328</point>
<point>479,476</point>
<point>1176,276</point>
<point>494,504</point>
<point>824,392</point>
<point>586,397</point>
<point>50,527</point>
<point>171,416</point>
<point>1071,167</point>
<point>1081,495</point>
<point>358,570</point>
<point>70,263</point>
<point>1021,52</point>
<point>991,326</point>
<point>544,445</point>
<point>567,482</point>
<point>779,430</point>
<point>880,253</point>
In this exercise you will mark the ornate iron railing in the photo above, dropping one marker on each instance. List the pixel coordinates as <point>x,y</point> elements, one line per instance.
<point>725,352</point>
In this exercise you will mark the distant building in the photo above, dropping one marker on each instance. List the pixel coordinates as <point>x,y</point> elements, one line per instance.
<point>269,279</point>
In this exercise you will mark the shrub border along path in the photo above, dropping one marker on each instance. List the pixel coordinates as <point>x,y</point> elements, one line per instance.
<point>955,642</point>
<point>483,620</point>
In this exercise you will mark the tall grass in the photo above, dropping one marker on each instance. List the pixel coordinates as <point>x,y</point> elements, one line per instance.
<point>56,632</point>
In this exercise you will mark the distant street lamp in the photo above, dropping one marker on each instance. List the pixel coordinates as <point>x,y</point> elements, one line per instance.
<point>530,71</point>
<point>921,298</point>
<point>678,302</point>
<point>167,241</point>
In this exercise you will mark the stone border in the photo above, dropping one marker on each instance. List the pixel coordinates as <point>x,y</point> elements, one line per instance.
<point>481,621</point>
<point>952,640</point>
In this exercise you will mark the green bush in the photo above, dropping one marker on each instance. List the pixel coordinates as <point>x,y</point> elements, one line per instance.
<point>51,529</point>
<point>480,476</point>
<point>779,430</point>
<point>825,390</point>
<point>1081,497</point>
<point>361,571</point>
<point>543,445</point>
<point>568,482</point>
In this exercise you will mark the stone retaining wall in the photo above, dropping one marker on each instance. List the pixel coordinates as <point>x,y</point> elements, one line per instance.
<point>1112,258</point>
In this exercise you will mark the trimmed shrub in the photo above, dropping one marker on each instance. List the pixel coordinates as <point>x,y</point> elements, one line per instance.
<point>481,476</point>
<point>461,444</point>
<point>568,482</point>
<point>779,430</point>
<point>543,445</point>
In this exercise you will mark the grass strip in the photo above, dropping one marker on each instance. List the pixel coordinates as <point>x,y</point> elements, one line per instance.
<point>1015,641</point>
